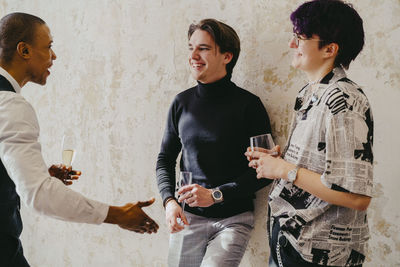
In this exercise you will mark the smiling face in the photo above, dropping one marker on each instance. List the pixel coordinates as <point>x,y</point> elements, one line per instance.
<point>315,61</point>
<point>307,56</point>
<point>41,55</point>
<point>206,63</point>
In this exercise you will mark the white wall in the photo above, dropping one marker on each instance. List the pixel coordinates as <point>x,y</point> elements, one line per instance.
<point>119,65</point>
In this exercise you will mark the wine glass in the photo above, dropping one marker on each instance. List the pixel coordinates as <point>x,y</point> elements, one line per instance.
<point>185,178</point>
<point>262,141</point>
<point>68,149</point>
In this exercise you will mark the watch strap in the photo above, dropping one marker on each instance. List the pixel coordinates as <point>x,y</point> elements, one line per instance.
<point>292,174</point>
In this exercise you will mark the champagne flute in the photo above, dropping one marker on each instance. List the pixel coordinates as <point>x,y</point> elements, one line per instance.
<point>68,150</point>
<point>185,178</point>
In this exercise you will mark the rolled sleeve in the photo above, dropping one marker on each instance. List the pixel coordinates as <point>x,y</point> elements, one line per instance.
<point>349,160</point>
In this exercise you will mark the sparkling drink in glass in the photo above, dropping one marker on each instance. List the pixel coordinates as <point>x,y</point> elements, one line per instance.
<point>68,150</point>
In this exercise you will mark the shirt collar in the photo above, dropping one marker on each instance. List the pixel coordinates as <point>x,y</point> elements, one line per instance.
<point>333,76</point>
<point>308,97</point>
<point>11,79</point>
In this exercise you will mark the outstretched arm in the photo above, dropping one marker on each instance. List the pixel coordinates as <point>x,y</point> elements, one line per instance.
<point>131,217</point>
<point>20,153</point>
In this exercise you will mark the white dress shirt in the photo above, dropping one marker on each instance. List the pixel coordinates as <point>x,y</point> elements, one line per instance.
<point>21,155</point>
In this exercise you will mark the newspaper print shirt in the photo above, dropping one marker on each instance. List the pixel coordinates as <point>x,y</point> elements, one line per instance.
<point>331,134</point>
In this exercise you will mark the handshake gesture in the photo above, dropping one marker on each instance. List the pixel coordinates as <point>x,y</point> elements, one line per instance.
<point>130,216</point>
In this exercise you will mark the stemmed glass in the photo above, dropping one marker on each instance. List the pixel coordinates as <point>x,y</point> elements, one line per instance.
<point>68,150</point>
<point>185,178</point>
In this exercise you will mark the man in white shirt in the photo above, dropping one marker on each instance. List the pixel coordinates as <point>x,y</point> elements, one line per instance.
<point>26,56</point>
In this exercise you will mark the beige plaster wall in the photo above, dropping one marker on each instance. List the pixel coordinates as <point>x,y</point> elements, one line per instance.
<point>119,65</point>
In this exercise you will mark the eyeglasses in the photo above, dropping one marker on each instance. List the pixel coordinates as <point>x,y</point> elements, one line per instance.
<point>298,37</point>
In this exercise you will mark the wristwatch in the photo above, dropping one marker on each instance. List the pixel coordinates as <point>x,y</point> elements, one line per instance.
<point>217,195</point>
<point>292,174</point>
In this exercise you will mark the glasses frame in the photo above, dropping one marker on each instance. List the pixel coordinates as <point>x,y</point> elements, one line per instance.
<point>297,39</point>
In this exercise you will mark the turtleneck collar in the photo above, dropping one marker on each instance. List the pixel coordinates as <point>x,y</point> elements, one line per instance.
<point>215,89</point>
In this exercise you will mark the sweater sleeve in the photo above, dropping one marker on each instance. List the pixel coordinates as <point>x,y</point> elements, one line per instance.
<point>166,161</point>
<point>245,185</point>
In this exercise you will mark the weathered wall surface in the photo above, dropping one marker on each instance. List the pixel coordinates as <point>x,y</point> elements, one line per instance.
<point>119,65</point>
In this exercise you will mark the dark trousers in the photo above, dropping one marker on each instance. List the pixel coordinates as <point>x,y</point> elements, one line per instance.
<point>11,252</point>
<point>289,256</point>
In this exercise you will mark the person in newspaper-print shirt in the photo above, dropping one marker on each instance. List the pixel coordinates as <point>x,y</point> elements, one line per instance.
<point>323,178</point>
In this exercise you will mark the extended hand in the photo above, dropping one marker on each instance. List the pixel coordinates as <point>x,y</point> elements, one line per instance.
<point>66,175</point>
<point>131,217</point>
<point>196,196</point>
<point>173,213</point>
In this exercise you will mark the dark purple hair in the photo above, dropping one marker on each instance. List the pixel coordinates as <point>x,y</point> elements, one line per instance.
<point>334,22</point>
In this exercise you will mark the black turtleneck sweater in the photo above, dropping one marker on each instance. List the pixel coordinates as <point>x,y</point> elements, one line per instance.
<point>211,124</point>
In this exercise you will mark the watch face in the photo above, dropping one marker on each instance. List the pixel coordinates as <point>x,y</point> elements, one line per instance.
<point>217,194</point>
<point>292,175</point>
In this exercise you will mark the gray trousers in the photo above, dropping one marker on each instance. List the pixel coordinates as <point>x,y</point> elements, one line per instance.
<point>211,241</point>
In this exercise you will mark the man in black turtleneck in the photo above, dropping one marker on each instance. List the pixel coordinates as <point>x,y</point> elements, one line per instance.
<point>211,124</point>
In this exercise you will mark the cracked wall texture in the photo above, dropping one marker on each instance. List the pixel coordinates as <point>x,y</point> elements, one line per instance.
<point>119,65</point>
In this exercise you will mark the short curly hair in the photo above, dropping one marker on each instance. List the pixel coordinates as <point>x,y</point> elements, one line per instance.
<point>334,22</point>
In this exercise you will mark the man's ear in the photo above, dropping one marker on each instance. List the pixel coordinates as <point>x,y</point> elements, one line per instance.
<point>23,50</point>
<point>331,50</point>
<point>228,57</point>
